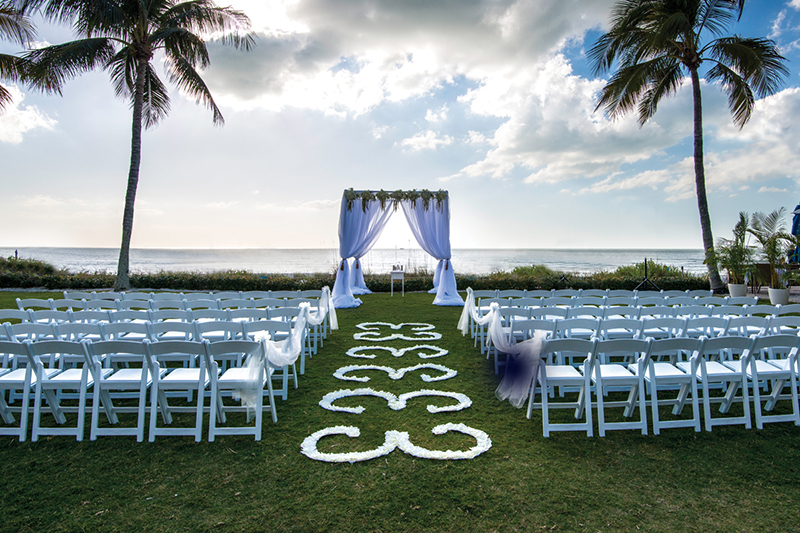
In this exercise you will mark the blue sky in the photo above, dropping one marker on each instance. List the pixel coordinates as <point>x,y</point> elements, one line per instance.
<point>492,100</point>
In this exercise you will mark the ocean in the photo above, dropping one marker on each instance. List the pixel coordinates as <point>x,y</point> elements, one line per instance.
<point>465,261</point>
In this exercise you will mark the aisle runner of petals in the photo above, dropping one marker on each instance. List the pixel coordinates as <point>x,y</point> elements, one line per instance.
<point>395,439</point>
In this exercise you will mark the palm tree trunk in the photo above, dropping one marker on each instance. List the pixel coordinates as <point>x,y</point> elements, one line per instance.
<point>700,183</point>
<point>123,281</point>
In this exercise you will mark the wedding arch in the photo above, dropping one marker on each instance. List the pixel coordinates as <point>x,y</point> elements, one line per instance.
<point>362,218</point>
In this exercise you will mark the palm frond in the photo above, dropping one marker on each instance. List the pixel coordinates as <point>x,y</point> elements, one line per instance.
<point>205,18</point>
<point>180,42</point>
<point>15,26</point>
<point>665,80</point>
<point>715,15</point>
<point>756,60</point>
<point>156,99</point>
<point>183,74</point>
<point>12,68</point>
<point>740,96</point>
<point>630,84</point>
<point>53,65</point>
<point>5,98</point>
<point>122,69</point>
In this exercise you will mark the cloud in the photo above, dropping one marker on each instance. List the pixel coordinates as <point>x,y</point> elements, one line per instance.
<point>18,119</point>
<point>317,205</point>
<point>436,116</point>
<point>313,205</point>
<point>426,140</point>
<point>776,29</point>
<point>221,205</point>
<point>41,200</point>
<point>771,189</point>
<point>342,57</point>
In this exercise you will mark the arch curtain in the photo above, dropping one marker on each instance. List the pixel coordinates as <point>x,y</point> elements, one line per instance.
<point>359,229</point>
<point>431,228</point>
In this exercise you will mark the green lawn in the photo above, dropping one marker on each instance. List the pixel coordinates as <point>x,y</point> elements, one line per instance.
<point>730,480</point>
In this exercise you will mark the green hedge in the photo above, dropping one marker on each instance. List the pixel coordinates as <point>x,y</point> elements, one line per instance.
<point>247,281</point>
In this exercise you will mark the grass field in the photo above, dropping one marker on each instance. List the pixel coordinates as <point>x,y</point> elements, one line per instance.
<point>730,480</point>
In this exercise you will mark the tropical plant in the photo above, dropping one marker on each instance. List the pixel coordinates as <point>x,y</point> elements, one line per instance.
<point>653,43</point>
<point>770,232</point>
<point>123,36</point>
<point>15,27</point>
<point>735,255</point>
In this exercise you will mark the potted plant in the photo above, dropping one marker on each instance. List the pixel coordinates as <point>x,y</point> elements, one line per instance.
<point>770,232</point>
<point>735,256</point>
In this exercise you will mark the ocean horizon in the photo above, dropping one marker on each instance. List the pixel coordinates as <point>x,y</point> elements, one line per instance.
<point>316,260</point>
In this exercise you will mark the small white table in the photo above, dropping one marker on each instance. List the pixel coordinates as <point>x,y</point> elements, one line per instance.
<point>398,275</point>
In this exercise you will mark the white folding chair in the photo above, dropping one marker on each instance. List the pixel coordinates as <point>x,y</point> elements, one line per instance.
<point>18,379</point>
<point>190,378</point>
<point>620,328</point>
<point>665,376</point>
<point>34,304</point>
<point>714,374</point>
<point>135,379</point>
<point>779,371</point>
<point>125,331</point>
<point>50,386</point>
<point>551,375</point>
<point>237,379</point>
<point>606,373</point>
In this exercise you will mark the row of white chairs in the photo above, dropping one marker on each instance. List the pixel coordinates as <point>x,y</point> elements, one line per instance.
<point>155,305</point>
<point>156,331</point>
<point>520,330</point>
<point>315,334</point>
<point>633,301</point>
<point>629,312</point>
<point>756,372</point>
<point>601,293</point>
<point>222,295</point>
<point>101,370</point>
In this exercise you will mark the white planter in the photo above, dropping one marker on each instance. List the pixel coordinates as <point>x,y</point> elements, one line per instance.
<point>737,290</point>
<point>779,296</point>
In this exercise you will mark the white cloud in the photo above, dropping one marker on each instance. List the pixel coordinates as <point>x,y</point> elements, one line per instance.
<point>771,189</point>
<point>379,131</point>
<point>41,200</point>
<point>795,4</point>
<point>18,119</point>
<point>317,205</point>
<point>221,205</point>
<point>437,116</point>
<point>776,29</point>
<point>426,140</point>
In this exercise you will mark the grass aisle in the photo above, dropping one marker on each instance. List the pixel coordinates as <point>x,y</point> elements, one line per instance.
<point>729,480</point>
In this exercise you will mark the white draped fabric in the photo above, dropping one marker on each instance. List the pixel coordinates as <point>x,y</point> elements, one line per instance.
<point>358,230</point>
<point>524,358</point>
<point>282,353</point>
<point>431,228</point>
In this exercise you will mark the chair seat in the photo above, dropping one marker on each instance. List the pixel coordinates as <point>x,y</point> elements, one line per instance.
<point>555,372</point>
<point>18,376</point>
<point>235,376</point>
<point>129,377</point>
<point>714,369</point>
<point>74,375</point>
<point>662,370</point>
<point>183,378</point>
<point>782,364</point>
<point>615,372</point>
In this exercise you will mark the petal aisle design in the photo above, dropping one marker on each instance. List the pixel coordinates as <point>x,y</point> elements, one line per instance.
<point>371,331</point>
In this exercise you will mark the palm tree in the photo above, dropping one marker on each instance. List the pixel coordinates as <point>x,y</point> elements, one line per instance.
<point>122,36</point>
<point>656,42</point>
<point>14,27</point>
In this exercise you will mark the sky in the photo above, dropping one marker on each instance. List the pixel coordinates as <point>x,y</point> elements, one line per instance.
<point>492,100</point>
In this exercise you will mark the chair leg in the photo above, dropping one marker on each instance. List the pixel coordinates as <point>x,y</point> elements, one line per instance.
<point>82,403</point>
